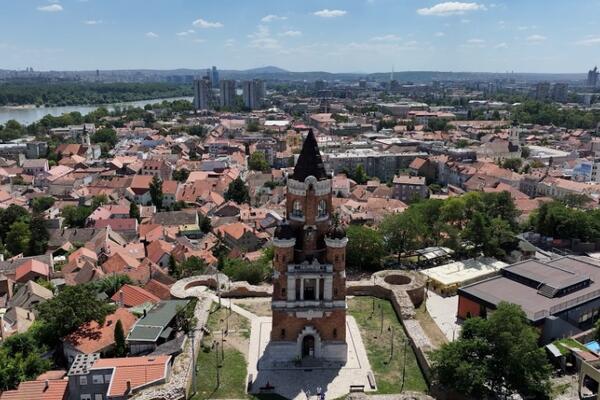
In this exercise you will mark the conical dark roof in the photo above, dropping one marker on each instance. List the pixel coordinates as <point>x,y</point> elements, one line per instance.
<point>310,161</point>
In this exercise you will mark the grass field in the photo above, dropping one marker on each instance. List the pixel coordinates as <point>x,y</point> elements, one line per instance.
<point>388,370</point>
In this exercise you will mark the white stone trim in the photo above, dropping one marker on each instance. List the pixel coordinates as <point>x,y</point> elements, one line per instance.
<point>284,243</point>
<point>336,243</point>
<point>309,330</point>
<point>298,188</point>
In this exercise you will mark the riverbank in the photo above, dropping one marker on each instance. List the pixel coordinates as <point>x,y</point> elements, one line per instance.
<point>30,113</point>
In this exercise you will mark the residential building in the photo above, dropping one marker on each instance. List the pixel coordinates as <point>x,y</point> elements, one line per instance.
<point>40,389</point>
<point>202,94</point>
<point>228,95</point>
<point>253,93</point>
<point>592,77</point>
<point>409,188</point>
<point>93,378</point>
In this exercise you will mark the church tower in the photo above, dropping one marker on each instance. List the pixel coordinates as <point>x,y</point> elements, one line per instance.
<point>309,282</point>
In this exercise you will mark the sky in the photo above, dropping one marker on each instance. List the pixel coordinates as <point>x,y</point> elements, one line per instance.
<point>302,35</point>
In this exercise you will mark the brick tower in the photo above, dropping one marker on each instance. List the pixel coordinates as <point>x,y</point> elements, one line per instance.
<point>309,289</point>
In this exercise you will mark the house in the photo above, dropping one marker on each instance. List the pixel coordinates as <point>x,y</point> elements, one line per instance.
<point>423,167</point>
<point>560,297</point>
<point>409,188</point>
<point>159,252</point>
<point>155,327</point>
<point>93,378</point>
<point>132,296</point>
<point>40,389</point>
<point>35,167</point>
<point>32,270</point>
<point>159,289</point>
<point>139,189</point>
<point>169,189</point>
<point>158,168</point>
<point>185,219</point>
<point>15,320</point>
<point>93,337</point>
<point>240,236</point>
<point>29,295</point>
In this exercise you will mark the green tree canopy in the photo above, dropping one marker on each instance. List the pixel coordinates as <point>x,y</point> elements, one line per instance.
<point>238,191</point>
<point>258,162</point>
<point>156,192</point>
<point>365,248</point>
<point>495,356</point>
<point>76,217</point>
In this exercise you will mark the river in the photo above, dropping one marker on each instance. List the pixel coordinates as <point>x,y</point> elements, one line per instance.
<point>29,114</point>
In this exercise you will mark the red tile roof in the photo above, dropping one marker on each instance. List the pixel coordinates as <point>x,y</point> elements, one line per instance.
<point>138,371</point>
<point>159,289</point>
<point>132,296</point>
<point>93,338</point>
<point>34,266</point>
<point>37,390</point>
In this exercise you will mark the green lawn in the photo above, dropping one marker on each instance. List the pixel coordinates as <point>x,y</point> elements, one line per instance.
<point>388,371</point>
<point>233,368</point>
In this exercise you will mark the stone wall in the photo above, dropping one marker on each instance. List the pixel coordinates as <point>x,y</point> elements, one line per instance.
<point>405,290</point>
<point>178,385</point>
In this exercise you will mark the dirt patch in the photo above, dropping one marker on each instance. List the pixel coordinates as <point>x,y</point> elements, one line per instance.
<point>258,306</point>
<point>432,330</point>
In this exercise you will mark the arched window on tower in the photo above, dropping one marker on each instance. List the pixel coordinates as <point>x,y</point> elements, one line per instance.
<point>322,209</point>
<point>297,210</point>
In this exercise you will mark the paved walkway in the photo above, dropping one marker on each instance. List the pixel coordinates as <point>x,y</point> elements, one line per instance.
<point>296,382</point>
<point>443,311</point>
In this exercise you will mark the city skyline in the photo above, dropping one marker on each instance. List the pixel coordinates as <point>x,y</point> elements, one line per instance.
<point>361,36</point>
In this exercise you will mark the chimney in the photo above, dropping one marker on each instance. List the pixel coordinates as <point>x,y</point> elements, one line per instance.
<point>46,385</point>
<point>121,298</point>
<point>128,390</point>
<point>144,313</point>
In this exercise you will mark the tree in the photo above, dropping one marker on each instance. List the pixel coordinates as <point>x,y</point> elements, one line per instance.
<point>39,236</point>
<point>495,356</point>
<point>238,191</point>
<point>359,175</point>
<point>18,238</point>
<point>99,200</point>
<point>9,216</point>
<point>69,309</point>
<point>205,223</point>
<point>181,175</point>
<point>401,232</point>
<point>252,126</point>
<point>111,284</point>
<point>365,248</point>
<point>190,267</point>
<point>105,135</point>
<point>238,269</point>
<point>514,164</point>
<point>134,211</point>
<point>156,192</point>
<point>258,162</point>
<point>120,348</point>
<point>41,204</point>
<point>76,217</point>
<point>21,359</point>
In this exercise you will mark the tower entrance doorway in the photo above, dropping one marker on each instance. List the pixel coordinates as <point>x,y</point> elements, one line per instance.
<point>308,346</point>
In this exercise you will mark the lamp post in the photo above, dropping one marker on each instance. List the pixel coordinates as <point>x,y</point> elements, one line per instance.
<point>217,366</point>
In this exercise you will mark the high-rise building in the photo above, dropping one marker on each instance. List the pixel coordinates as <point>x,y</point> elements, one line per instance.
<point>253,93</point>
<point>592,78</point>
<point>309,284</point>
<point>559,92</point>
<point>214,77</point>
<point>202,94</point>
<point>227,92</point>
<point>542,90</point>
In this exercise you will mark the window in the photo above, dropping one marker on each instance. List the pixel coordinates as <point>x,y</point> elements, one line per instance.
<point>335,332</point>
<point>85,397</point>
<point>83,380</point>
<point>283,333</point>
<point>97,379</point>
<point>297,210</point>
<point>98,396</point>
<point>283,291</point>
<point>322,209</point>
<point>107,378</point>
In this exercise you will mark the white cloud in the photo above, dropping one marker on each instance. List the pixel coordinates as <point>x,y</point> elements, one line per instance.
<point>589,41</point>
<point>201,23</point>
<point>502,45</point>
<point>230,43</point>
<point>92,22</point>
<point>326,13</point>
<point>272,17</point>
<point>440,34</point>
<point>151,35</point>
<point>262,39</point>
<point>186,33</point>
<point>51,8</point>
<point>536,38</point>
<point>198,40</point>
<point>450,8</point>
<point>291,33</point>
<point>386,38</point>
<point>475,41</point>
